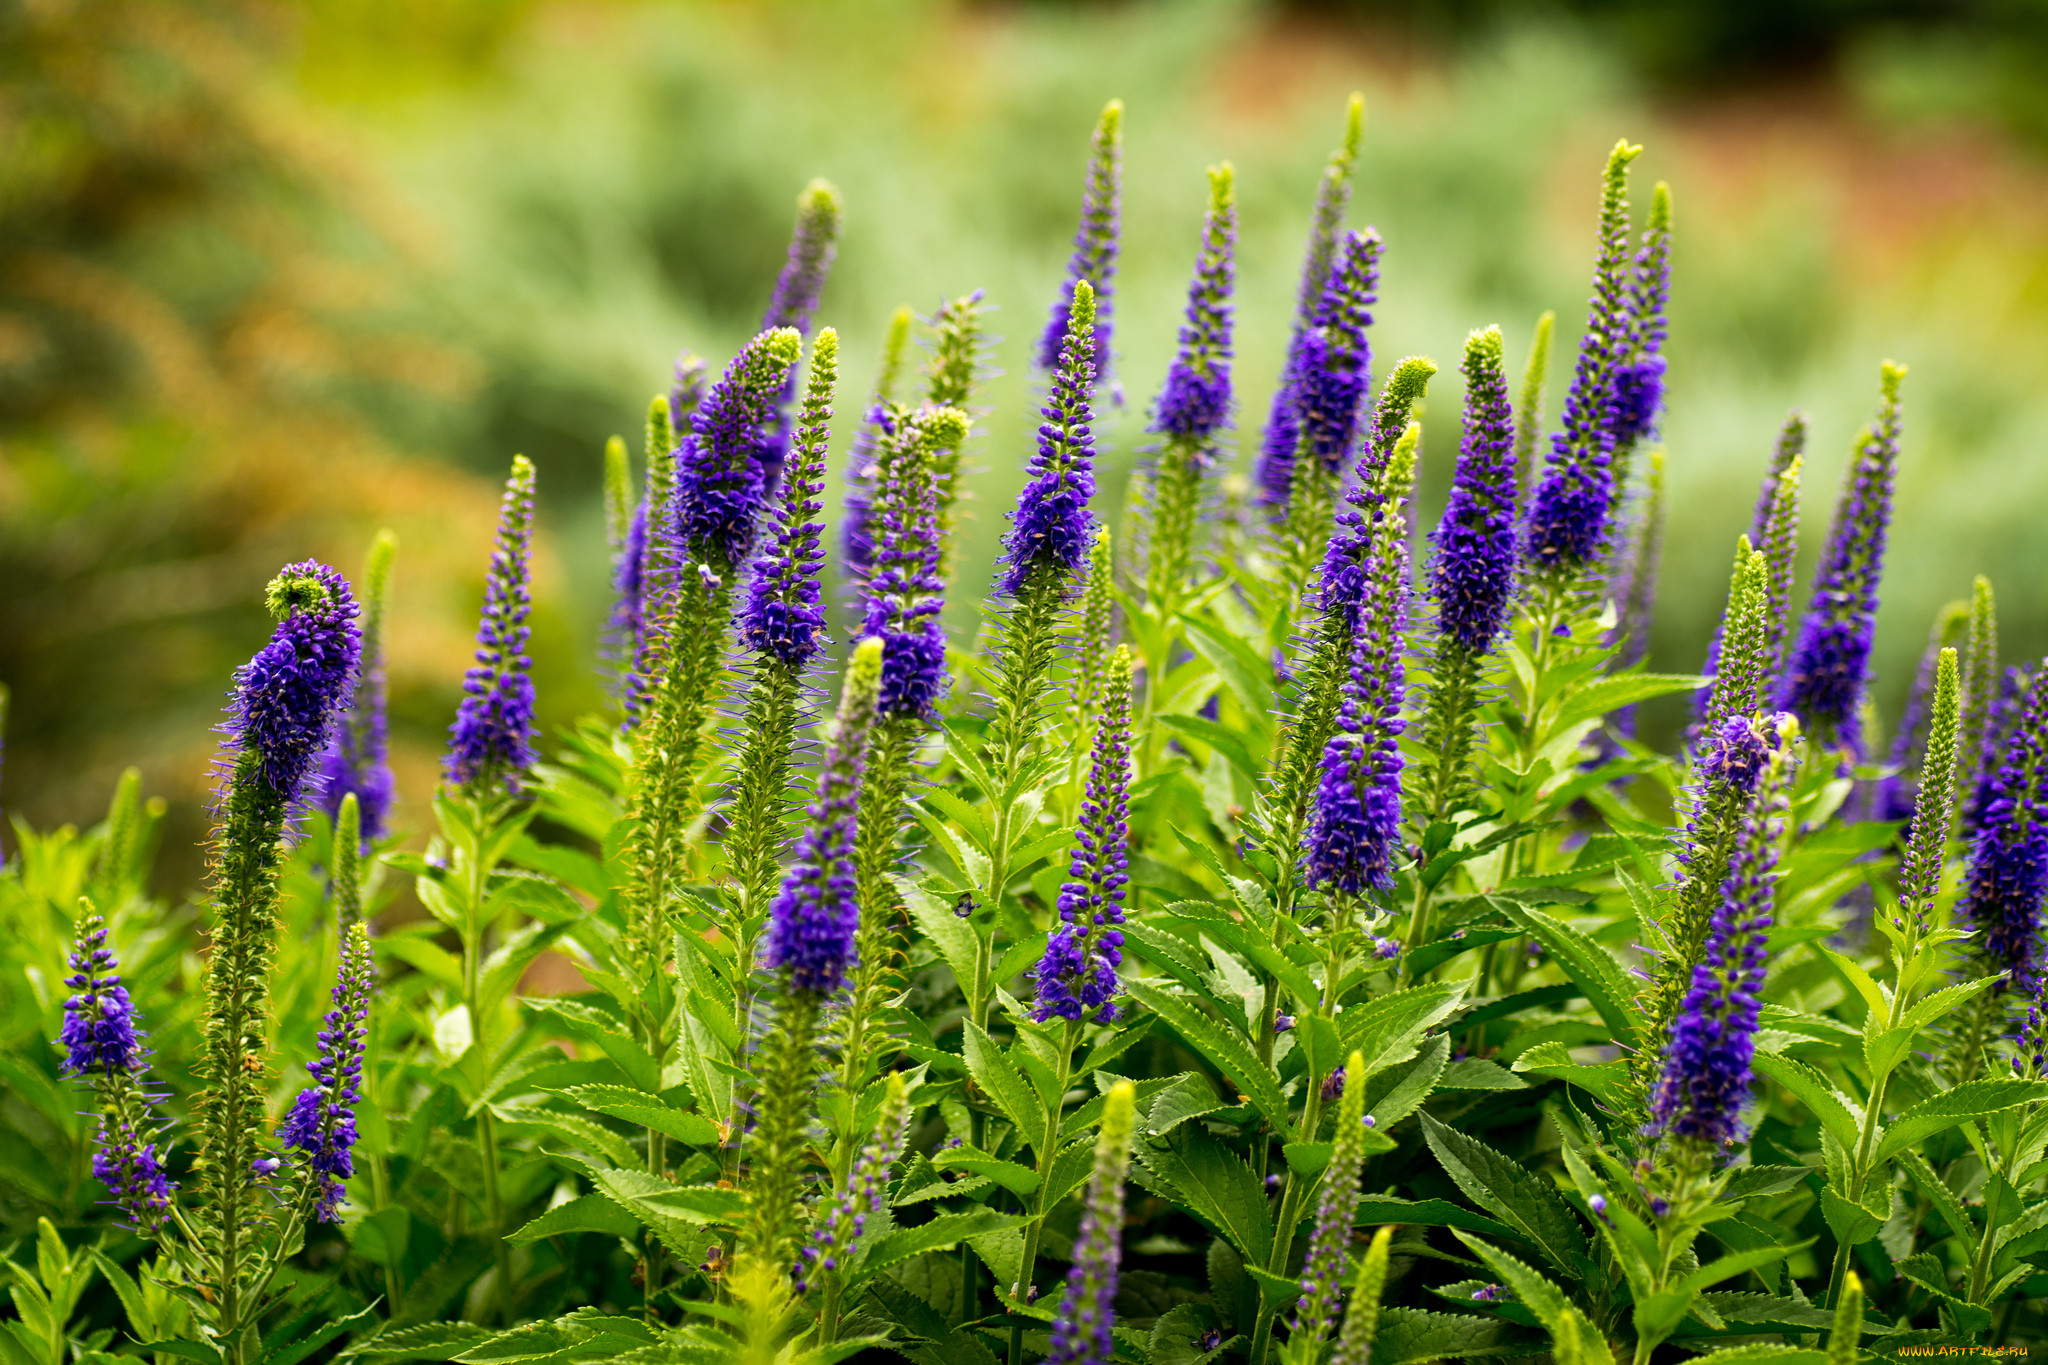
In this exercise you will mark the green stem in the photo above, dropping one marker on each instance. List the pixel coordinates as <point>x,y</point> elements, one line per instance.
<point>1048,1154</point>
<point>481,821</point>
<point>1980,1264</point>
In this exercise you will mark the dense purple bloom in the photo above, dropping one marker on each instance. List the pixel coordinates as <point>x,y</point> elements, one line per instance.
<point>812,247</point>
<point>2000,719</point>
<point>812,921</point>
<point>1195,401</point>
<point>1706,1075</point>
<point>130,1162</point>
<point>686,388</point>
<point>1568,515</point>
<point>2007,881</point>
<point>1095,250</point>
<point>1639,376</point>
<point>1736,755</point>
<point>357,759</point>
<point>491,742</point>
<point>99,1036</point>
<point>1052,524</point>
<point>1331,369</point>
<point>1824,682</point>
<point>1354,830</point>
<point>285,697</point>
<point>905,592</point>
<point>719,486</point>
<point>322,1123</point>
<point>1275,470</point>
<point>783,613</point>
<point>1473,574</point>
<point>1083,1326</point>
<point>1077,977</point>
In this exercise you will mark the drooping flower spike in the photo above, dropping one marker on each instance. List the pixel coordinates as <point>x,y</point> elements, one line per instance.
<point>1277,447</point>
<point>1077,978</point>
<point>1825,679</point>
<point>1095,248</point>
<point>322,1124</point>
<point>813,919</point>
<point>357,760</point>
<point>812,246</point>
<point>1570,509</point>
<point>783,615</point>
<point>1051,527</point>
<point>490,745</point>
<point>285,697</point>
<point>1083,1324</point>
<point>1706,1076</point>
<point>2007,880</point>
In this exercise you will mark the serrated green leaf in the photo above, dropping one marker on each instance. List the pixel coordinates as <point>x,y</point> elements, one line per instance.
<point>649,1111</point>
<point>1501,1187</point>
<point>1225,1048</point>
<point>586,1213</point>
<point>1938,1113</point>
<point>1592,967</point>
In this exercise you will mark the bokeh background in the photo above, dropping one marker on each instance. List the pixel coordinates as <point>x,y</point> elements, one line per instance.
<point>274,276</point>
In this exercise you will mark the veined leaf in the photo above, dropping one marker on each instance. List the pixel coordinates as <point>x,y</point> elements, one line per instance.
<point>1938,1113</point>
<point>586,1213</point>
<point>1225,1048</point>
<point>1501,1187</point>
<point>1812,1090</point>
<point>1000,1080</point>
<point>1603,980</point>
<point>649,1111</point>
<point>942,1233</point>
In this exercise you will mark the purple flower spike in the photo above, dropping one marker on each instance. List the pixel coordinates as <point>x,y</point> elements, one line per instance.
<point>357,760</point>
<point>1095,248</point>
<point>1082,1328</point>
<point>1568,516</point>
<point>905,591</point>
<point>686,388</point>
<point>1354,830</point>
<point>322,1124</point>
<point>719,489</point>
<point>130,1162</point>
<point>1195,401</point>
<point>1639,378</point>
<point>2007,879</point>
<point>1706,1075</point>
<point>285,697</point>
<point>1051,524</point>
<point>99,1037</point>
<point>812,922</point>
<point>812,247</point>
<point>1473,574</point>
<point>491,743</point>
<point>783,615</point>
<point>1824,683</point>
<point>1077,977</point>
<point>1332,368</point>
<point>863,1192</point>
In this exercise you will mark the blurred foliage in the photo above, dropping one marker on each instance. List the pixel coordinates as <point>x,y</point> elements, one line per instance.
<point>392,243</point>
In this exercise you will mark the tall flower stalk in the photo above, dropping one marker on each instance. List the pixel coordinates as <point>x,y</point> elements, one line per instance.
<point>1083,1323</point>
<point>1325,1268</point>
<point>812,247</point>
<point>285,702</point>
<point>1981,688</point>
<point>322,1124</point>
<point>1825,679</point>
<point>1570,510</point>
<point>1638,401</point>
<point>2007,879</point>
<point>104,1046</point>
<point>1096,243</point>
<point>955,369</point>
<point>490,746</point>
<point>1278,445</point>
<point>1529,401</point>
<point>358,761</point>
<point>1471,575</point>
<point>856,533</point>
<point>1774,532</point>
<point>810,948</point>
<point>782,628</point>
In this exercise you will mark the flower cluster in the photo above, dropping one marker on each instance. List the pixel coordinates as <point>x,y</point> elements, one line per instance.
<point>1334,370</point>
<point>322,1122</point>
<point>1706,1076</point>
<point>905,590</point>
<point>103,1046</point>
<point>1195,400</point>
<point>492,739</point>
<point>1077,977</point>
<point>812,922</point>
<point>1083,1326</point>
<point>1095,250</point>
<point>1051,525</point>
<point>2007,881</point>
<point>719,485</point>
<point>1472,576</point>
<point>99,1037</point>
<point>285,696</point>
<point>783,614</point>
<point>812,247</point>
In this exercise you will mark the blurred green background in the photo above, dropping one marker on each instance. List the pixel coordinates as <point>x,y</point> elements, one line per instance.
<point>273,276</point>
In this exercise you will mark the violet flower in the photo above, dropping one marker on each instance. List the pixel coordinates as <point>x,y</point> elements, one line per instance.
<point>286,695</point>
<point>322,1123</point>
<point>812,246</point>
<point>1332,369</point>
<point>1568,515</point>
<point>1472,575</point>
<point>719,488</point>
<point>1639,375</point>
<point>1824,682</point>
<point>1194,403</point>
<point>1095,249</point>
<point>103,1046</point>
<point>2007,879</point>
<point>905,592</point>
<point>1051,525</point>
<point>491,742</point>
<point>99,1037</point>
<point>1077,976</point>
<point>783,613</point>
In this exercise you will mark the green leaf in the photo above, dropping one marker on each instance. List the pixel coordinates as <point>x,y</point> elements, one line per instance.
<point>1247,675</point>
<point>1214,1184</point>
<point>1851,1223</point>
<point>649,1111</point>
<point>1811,1089</point>
<point>1477,1073</point>
<point>1000,1080</point>
<point>586,1135</point>
<point>586,1213</point>
<point>1938,1193</point>
<point>1763,1353</point>
<point>609,1033</point>
<point>1388,1029</point>
<point>427,1341</point>
<point>1501,1187</point>
<point>1411,1336</point>
<point>1603,695</point>
<point>1938,1113</point>
<point>1413,1086</point>
<point>1380,1210</point>
<point>1018,1180</point>
<point>1221,738</point>
<point>303,1345</point>
<point>940,927</point>
<point>1738,1263</point>
<point>940,1234</point>
<point>1588,964</point>
<point>1225,1048</point>
<point>1553,1058</point>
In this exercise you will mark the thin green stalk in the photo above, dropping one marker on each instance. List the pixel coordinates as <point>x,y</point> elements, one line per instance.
<point>1048,1154</point>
